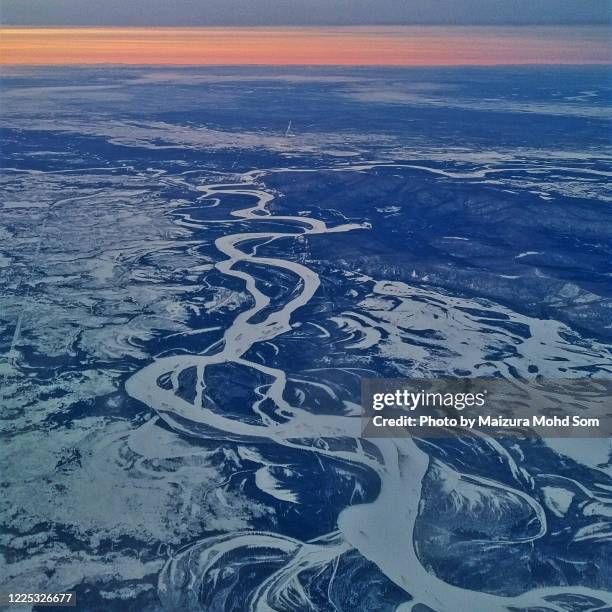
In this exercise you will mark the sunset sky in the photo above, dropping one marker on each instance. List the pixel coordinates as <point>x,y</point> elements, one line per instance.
<point>314,32</point>
<point>405,45</point>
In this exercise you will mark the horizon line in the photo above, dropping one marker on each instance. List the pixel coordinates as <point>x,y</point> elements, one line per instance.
<point>601,64</point>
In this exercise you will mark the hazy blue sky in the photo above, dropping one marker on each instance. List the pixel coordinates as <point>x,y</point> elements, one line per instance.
<point>303,12</point>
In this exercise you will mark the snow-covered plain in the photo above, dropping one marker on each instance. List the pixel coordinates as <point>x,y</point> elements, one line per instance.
<point>190,297</point>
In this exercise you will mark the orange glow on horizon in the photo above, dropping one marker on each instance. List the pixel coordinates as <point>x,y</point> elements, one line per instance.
<point>394,46</point>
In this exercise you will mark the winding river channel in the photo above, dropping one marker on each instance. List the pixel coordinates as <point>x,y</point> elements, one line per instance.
<point>382,531</point>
